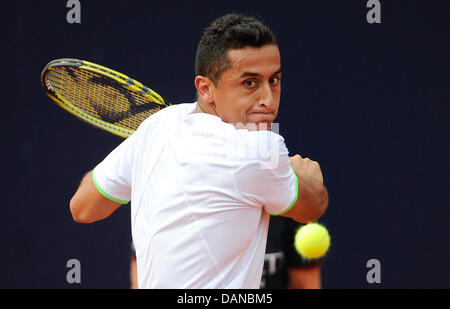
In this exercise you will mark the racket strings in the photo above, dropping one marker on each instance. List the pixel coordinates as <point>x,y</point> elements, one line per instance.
<point>102,97</point>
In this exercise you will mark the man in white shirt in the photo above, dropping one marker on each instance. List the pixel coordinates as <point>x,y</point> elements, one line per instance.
<point>204,177</point>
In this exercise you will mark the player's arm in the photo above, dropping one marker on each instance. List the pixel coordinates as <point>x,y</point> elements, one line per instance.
<point>88,204</point>
<point>133,273</point>
<point>312,197</point>
<point>305,277</point>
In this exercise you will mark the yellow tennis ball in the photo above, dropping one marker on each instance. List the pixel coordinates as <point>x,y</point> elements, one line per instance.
<point>312,241</point>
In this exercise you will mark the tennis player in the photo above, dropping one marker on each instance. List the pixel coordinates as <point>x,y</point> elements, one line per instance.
<point>204,177</point>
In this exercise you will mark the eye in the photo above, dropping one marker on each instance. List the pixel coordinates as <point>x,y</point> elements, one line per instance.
<point>250,83</point>
<point>274,81</point>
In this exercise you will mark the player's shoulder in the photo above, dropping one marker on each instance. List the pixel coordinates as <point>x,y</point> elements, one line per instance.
<point>260,135</point>
<point>260,145</point>
<point>173,111</point>
<point>179,109</point>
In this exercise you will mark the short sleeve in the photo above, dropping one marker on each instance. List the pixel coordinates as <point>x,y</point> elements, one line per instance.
<point>265,178</point>
<point>112,176</point>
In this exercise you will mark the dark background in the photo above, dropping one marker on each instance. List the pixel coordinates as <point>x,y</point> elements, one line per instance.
<point>370,102</point>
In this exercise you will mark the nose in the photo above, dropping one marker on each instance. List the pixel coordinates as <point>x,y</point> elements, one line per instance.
<point>267,98</point>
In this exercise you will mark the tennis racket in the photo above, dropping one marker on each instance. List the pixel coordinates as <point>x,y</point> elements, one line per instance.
<point>100,96</point>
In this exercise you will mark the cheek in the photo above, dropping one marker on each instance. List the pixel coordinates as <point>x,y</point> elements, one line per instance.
<point>277,101</point>
<point>236,112</point>
<point>232,107</point>
<point>277,96</point>
<point>243,106</point>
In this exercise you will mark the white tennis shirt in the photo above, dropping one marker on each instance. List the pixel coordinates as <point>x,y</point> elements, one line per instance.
<point>201,192</point>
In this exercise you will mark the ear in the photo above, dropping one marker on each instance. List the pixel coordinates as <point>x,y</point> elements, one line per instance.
<point>205,89</point>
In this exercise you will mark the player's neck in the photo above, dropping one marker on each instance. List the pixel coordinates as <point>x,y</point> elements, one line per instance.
<point>203,107</point>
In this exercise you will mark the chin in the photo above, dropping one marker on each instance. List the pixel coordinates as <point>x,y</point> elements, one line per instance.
<point>254,126</point>
<point>264,126</point>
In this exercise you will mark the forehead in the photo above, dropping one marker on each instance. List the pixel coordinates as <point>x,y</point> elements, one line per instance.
<point>263,60</point>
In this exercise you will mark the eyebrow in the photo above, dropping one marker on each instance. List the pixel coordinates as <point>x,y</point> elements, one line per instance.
<point>246,74</point>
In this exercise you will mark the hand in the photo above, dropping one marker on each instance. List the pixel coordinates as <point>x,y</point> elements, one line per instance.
<point>306,168</point>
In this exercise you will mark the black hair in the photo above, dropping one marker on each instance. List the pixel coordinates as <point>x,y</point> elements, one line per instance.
<point>231,31</point>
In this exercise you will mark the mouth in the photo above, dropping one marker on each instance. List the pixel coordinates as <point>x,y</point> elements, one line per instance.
<point>261,117</point>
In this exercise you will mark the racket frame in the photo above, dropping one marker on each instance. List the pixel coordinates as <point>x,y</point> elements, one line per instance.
<point>117,76</point>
